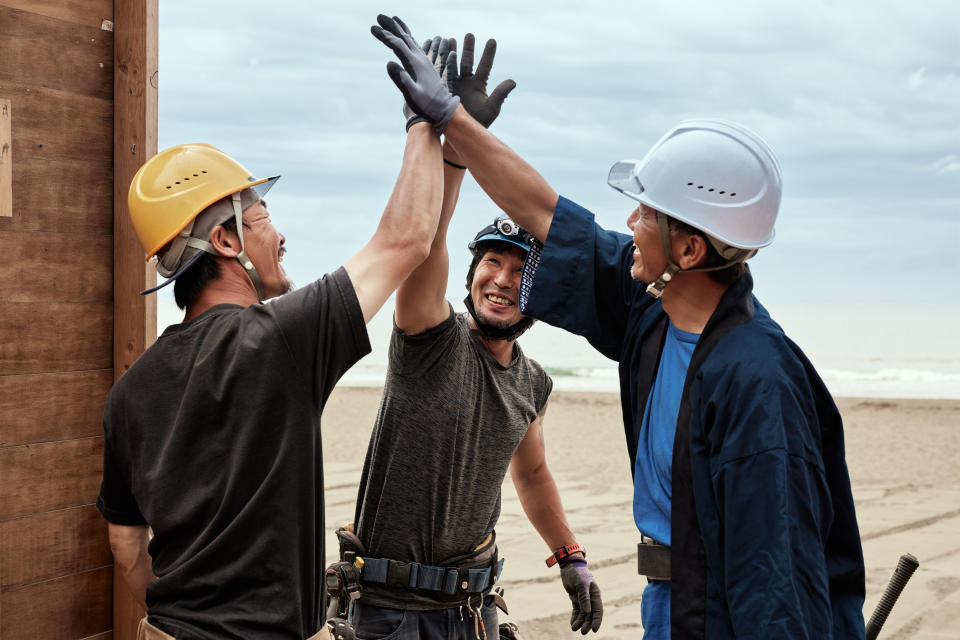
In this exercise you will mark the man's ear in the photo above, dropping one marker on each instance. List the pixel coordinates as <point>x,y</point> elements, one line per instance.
<point>692,251</point>
<point>225,242</point>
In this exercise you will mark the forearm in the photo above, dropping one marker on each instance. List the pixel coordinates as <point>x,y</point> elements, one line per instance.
<point>129,547</point>
<point>406,230</point>
<point>511,183</point>
<point>410,217</point>
<point>541,502</point>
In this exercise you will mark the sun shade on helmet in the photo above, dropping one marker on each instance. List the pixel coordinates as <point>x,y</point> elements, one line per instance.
<point>718,177</point>
<point>170,202</point>
<point>504,229</point>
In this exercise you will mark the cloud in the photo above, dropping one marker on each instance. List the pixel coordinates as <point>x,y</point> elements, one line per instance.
<point>858,99</point>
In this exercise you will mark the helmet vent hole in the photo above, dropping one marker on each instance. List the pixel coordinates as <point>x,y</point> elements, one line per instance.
<point>202,171</point>
<point>177,182</point>
<point>186,178</point>
<point>689,184</point>
<point>700,187</point>
<point>196,175</point>
<point>710,189</point>
<point>722,192</point>
<point>169,187</point>
<point>732,193</point>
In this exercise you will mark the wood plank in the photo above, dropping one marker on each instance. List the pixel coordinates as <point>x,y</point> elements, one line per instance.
<point>6,161</point>
<point>52,545</point>
<point>53,406</point>
<point>61,196</point>
<point>55,336</point>
<point>42,477</point>
<point>87,12</point>
<point>55,124</point>
<point>135,140</point>
<point>56,267</point>
<point>50,53</point>
<point>70,607</point>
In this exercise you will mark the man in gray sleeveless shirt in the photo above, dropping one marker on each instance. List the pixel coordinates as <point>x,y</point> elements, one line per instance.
<point>460,404</point>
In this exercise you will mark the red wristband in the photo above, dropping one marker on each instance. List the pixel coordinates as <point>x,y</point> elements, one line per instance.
<point>565,552</point>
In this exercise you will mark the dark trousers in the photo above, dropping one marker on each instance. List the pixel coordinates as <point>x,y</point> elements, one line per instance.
<point>380,623</point>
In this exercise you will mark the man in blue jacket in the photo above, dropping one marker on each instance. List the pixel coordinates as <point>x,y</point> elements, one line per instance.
<point>742,495</point>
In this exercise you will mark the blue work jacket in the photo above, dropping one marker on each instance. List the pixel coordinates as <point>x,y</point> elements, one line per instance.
<point>764,534</point>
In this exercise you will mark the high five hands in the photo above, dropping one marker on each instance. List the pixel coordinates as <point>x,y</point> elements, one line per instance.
<point>430,81</point>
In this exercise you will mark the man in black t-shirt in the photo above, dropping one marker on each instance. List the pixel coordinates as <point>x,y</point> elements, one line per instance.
<point>213,435</point>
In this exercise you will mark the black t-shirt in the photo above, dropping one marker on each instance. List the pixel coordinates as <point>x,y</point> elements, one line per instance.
<point>213,438</point>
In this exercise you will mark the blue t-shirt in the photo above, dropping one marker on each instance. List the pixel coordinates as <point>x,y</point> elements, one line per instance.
<point>652,482</point>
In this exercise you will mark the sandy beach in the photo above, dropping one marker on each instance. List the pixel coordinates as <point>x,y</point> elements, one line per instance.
<point>904,459</point>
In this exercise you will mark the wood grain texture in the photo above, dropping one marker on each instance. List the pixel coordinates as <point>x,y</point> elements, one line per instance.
<point>50,53</point>
<point>53,406</point>
<point>91,13</point>
<point>61,196</point>
<point>55,336</point>
<point>52,124</point>
<point>52,545</point>
<point>71,472</point>
<point>6,160</point>
<point>56,267</point>
<point>74,606</point>
<point>135,140</point>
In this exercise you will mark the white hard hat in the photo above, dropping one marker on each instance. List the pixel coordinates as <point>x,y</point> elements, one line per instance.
<point>716,176</point>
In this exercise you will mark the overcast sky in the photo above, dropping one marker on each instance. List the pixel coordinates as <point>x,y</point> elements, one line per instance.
<point>859,100</point>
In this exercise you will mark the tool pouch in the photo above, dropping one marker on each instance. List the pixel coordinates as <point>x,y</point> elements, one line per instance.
<point>653,560</point>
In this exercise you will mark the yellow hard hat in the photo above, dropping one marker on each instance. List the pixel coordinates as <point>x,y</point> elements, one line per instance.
<point>175,185</point>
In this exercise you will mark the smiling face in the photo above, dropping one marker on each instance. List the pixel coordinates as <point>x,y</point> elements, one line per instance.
<point>495,289</point>
<point>649,260</point>
<point>264,245</point>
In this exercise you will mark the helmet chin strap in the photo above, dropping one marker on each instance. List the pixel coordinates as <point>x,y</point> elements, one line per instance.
<point>242,257</point>
<point>656,288</point>
<point>491,332</point>
<point>733,255</point>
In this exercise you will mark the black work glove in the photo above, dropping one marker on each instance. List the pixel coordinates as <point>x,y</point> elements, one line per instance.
<point>584,594</point>
<point>509,631</point>
<point>340,629</point>
<point>471,87</point>
<point>422,88</point>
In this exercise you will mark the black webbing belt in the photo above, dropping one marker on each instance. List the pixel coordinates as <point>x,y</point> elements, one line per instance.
<point>446,580</point>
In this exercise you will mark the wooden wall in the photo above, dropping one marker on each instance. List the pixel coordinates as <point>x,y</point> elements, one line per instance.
<point>58,247</point>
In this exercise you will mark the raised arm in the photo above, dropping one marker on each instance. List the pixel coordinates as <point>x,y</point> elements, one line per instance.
<point>511,183</point>
<point>421,299</point>
<point>514,185</point>
<point>402,239</point>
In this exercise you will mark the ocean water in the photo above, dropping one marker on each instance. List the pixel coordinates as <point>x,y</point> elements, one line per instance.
<point>860,349</point>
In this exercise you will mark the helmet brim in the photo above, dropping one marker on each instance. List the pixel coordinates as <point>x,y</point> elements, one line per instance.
<point>176,275</point>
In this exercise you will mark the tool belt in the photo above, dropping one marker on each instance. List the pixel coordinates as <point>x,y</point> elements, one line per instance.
<point>454,581</point>
<point>653,559</point>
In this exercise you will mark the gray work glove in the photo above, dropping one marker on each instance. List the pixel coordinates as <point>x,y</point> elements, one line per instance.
<point>437,50</point>
<point>471,87</point>
<point>423,90</point>
<point>584,594</point>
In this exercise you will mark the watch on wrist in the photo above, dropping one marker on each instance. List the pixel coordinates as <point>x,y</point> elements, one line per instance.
<point>565,552</point>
